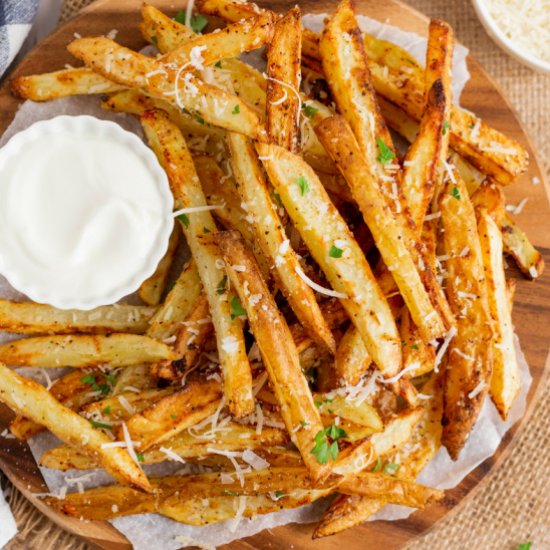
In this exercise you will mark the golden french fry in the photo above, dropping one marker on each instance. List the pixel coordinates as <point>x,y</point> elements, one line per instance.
<point>352,359</point>
<point>30,399</point>
<point>44,87</point>
<point>517,244</point>
<point>323,231</point>
<point>152,289</point>
<point>269,233</point>
<point>31,318</point>
<point>171,150</point>
<point>490,196</point>
<point>505,380</point>
<point>278,351</point>
<point>283,81</point>
<point>208,103</point>
<point>115,350</point>
<point>388,234</point>
<point>469,357</point>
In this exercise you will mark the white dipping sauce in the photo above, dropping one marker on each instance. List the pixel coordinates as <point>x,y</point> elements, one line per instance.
<point>79,215</point>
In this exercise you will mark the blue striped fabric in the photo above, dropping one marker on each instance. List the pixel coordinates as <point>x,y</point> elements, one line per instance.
<point>16,17</point>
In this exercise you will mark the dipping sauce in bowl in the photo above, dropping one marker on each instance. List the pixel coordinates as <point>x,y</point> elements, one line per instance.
<point>85,212</point>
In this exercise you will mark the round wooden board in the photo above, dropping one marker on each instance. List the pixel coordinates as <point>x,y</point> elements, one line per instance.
<point>531,309</point>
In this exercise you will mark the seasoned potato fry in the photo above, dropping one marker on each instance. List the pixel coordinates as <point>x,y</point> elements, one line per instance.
<point>115,350</point>
<point>391,240</point>
<point>490,196</point>
<point>505,381</point>
<point>278,351</point>
<point>469,359</point>
<point>352,359</point>
<point>307,203</point>
<point>234,438</point>
<point>131,69</point>
<point>174,413</point>
<point>27,397</point>
<point>44,87</point>
<point>269,233</point>
<point>283,81</point>
<point>31,318</point>
<point>152,289</point>
<point>517,244</point>
<point>169,146</point>
<point>418,356</point>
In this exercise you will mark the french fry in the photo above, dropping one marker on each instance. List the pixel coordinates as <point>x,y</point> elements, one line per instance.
<point>67,82</point>
<point>169,146</point>
<point>152,289</point>
<point>30,399</point>
<point>283,74</point>
<point>505,380</point>
<point>490,197</point>
<point>31,318</point>
<point>270,235</point>
<point>278,351</point>
<point>134,70</point>
<point>418,356</point>
<point>323,229</point>
<point>174,413</point>
<point>116,350</point>
<point>469,359</point>
<point>517,244</point>
<point>389,236</point>
<point>352,359</point>
<point>234,438</point>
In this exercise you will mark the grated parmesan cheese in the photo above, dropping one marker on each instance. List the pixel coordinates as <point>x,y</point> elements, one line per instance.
<point>193,209</point>
<point>319,288</point>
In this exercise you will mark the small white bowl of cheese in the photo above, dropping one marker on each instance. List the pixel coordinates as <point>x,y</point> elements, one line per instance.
<point>520,28</point>
<point>85,212</point>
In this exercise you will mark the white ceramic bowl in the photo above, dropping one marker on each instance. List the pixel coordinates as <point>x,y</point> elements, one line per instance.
<point>85,125</point>
<point>496,33</point>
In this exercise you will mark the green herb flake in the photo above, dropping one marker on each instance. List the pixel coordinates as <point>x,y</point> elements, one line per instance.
<point>198,22</point>
<point>525,546</point>
<point>199,119</point>
<point>184,219</point>
<point>222,285</point>
<point>140,457</point>
<point>96,424</point>
<point>111,378</point>
<point>309,110</point>
<point>303,423</point>
<point>385,153</point>
<point>173,416</point>
<point>378,466</point>
<point>279,494</point>
<point>236,110</point>
<point>455,193</point>
<point>303,184</point>
<point>335,252</point>
<point>326,443</point>
<point>218,64</point>
<point>446,126</point>
<point>237,309</point>
<point>277,198</point>
<point>414,346</point>
<point>154,39</point>
<point>206,230</point>
<point>391,468</point>
<point>88,379</point>
<point>231,493</point>
<point>107,410</point>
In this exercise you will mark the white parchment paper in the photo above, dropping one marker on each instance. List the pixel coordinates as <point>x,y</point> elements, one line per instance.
<point>153,531</point>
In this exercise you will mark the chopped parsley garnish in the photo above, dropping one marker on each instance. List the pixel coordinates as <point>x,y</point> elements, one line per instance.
<point>277,198</point>
<point>111,378</point>
<point>446,126</point>
<point>236,110</point>
<point>173,416</point>
<point>184,219</point>
<point>237,309</point>
<point>90,379</point>
<point>96,424</point>
<point>199,119</point>
<point>525,546</point>
<point>279,494</point>
<point>326,443</point>
<point>206,230</point>
<point>107,409</point>
<point>222,285</point>
<point>335,252</point>
<point>303,423</point>
<point>302,183</point>
<point>391,469</point>
<point>198,22</point>
<point>385,153</point>
<point>378,466</point>
<point>154,39</point>
<point>309,110</point>
<point>140,457</point>
<point>231,493</point>
<point>218,64</point>
<point>414,346</point>
<point>455,193</point>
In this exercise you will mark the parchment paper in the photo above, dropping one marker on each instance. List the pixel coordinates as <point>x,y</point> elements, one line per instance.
<point>153,531</point>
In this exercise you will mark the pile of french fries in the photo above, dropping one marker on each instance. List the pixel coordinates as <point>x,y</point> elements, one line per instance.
<point>345,311</point>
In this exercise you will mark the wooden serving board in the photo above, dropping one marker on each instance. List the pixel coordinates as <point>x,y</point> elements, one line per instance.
<point>531,309</point>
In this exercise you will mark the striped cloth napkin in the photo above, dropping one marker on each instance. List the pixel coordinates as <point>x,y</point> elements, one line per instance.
<point>16,18</point>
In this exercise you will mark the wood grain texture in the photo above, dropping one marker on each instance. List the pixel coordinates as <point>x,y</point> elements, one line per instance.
<point>531,310</point>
